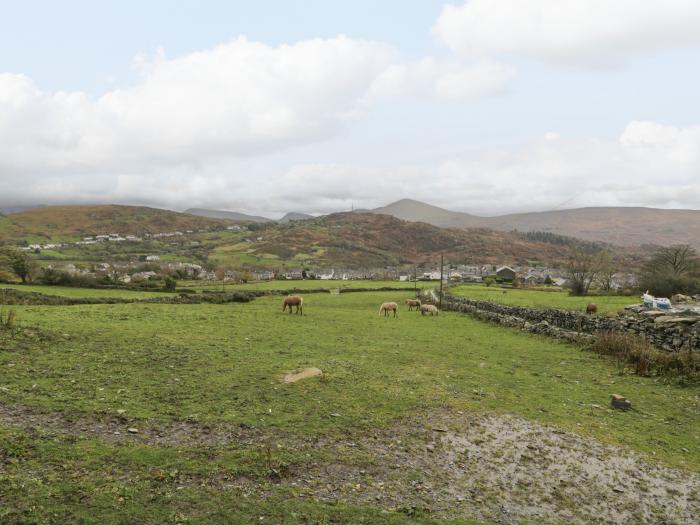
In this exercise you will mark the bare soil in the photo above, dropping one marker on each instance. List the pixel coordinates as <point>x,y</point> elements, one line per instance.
<point>499,469</point>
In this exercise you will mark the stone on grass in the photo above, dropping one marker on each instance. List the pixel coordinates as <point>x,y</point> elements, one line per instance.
<point>293,377</point>
<point>132,430</point>
<point>618,401</point>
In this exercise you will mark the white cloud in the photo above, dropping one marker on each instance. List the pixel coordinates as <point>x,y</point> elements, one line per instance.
<point>579,32</point>
<point>235,100</point>
<point>449,79</point>
<point>650,164</point>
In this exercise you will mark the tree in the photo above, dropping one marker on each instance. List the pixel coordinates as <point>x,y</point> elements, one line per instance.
<point>582,270</point>
<point>606,275</point>
<point>170,284</point>
<point>20,262</point>
<point>671,270</point>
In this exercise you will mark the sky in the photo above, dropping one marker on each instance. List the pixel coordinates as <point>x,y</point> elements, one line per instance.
<point>483,106</point>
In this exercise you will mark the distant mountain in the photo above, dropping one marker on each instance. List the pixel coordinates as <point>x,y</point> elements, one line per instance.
<point>229,215</point>
<point>295,216</point>
<point>6,210</point>
<point>60,222</point>
<point>412,210</point>
<point>371,240</point>
<point>616,225</point>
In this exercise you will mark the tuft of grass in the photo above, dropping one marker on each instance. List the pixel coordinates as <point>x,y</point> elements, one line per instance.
<point>7,320</point>
<point>646,359</point>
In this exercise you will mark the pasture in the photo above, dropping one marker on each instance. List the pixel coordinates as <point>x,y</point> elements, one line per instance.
<point>550,298</point>
<point>307,284</point>
<point>70,291</point>
<point>148,413</point>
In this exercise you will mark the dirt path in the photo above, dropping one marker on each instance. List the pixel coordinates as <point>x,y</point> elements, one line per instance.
<point>493,468</point>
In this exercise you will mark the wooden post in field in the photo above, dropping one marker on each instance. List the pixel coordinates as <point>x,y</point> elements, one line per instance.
<point>442,264</point>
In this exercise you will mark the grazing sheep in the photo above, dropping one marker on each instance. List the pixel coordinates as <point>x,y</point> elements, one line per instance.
<point>386,307</point>
<point>294,300</point>
<point>591,308</point>
<point>426,309</point>
<point>413,302</point>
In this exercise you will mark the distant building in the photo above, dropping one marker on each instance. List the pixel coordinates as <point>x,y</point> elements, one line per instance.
<point>506,273</point>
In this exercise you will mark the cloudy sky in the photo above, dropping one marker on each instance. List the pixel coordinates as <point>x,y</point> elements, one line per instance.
<point>488,106</point>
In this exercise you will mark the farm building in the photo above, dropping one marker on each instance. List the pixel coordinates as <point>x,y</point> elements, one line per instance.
<point>505,273</point>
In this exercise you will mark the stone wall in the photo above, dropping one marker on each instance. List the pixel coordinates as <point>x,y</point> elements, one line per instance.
<point>672,332</point>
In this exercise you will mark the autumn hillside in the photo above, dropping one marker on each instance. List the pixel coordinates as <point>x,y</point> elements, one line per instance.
<point>371,240</point>
<point>65,222</point>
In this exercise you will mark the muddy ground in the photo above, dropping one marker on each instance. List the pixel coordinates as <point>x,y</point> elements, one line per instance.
<point>493,468</point>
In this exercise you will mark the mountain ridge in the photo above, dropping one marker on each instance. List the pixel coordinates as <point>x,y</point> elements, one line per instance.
<point>227,215</point>
<point>624,226</point>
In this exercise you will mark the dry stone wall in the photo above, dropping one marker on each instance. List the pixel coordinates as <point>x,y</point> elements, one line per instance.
<point>671,332</point>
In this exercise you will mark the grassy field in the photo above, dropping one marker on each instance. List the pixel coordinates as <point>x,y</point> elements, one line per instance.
<point>69,291</point>
<point>552,298</point>
<point>307,284</point>
<point>188,369</point>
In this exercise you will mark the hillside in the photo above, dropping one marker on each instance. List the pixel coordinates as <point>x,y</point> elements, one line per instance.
<point>228,215</point>
<point>616,225</point>
<point>412,210</point>
<point>295,216</point>
<point>57,222</point>
<point>357,240</point>
<point>623,226</point>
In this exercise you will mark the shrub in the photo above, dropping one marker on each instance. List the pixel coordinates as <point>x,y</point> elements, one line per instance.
<point>646,359</point>
<point>7,320</point>
<point>170,284</point>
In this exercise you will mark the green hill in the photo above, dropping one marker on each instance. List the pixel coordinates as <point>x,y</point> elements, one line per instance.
<point>70,222</point>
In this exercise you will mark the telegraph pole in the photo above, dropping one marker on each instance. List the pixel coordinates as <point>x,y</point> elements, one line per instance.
<point>415,280</point>
<point>442,278</point>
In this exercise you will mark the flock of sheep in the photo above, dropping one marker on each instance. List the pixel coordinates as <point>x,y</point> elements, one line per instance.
<point>425,309</point>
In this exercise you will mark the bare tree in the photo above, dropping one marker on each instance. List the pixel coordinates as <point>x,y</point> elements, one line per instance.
<point>606,274</point>
<point>678,260</point>
<point>673,269</point>
<point>582,270</point>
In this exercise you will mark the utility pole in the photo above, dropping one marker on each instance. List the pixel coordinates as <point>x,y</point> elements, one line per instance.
<point>415,280</point>
<point>442,264</point>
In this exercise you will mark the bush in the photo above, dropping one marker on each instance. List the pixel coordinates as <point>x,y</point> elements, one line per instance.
<point>170,284</point>
<point>666,286</point>
<point>646,359</point>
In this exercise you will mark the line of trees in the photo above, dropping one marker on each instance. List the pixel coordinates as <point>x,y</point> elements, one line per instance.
<point>670,270</point>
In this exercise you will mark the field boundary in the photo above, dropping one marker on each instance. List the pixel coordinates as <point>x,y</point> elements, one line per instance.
<point>13,296</point>
<point>569,325</point>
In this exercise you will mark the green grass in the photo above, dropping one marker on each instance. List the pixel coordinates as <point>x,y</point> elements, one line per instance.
<point>552,298</point>
<point>228,360</point>
<point>216,363</point>
<point>306,284</point>
<point>68,291</point>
